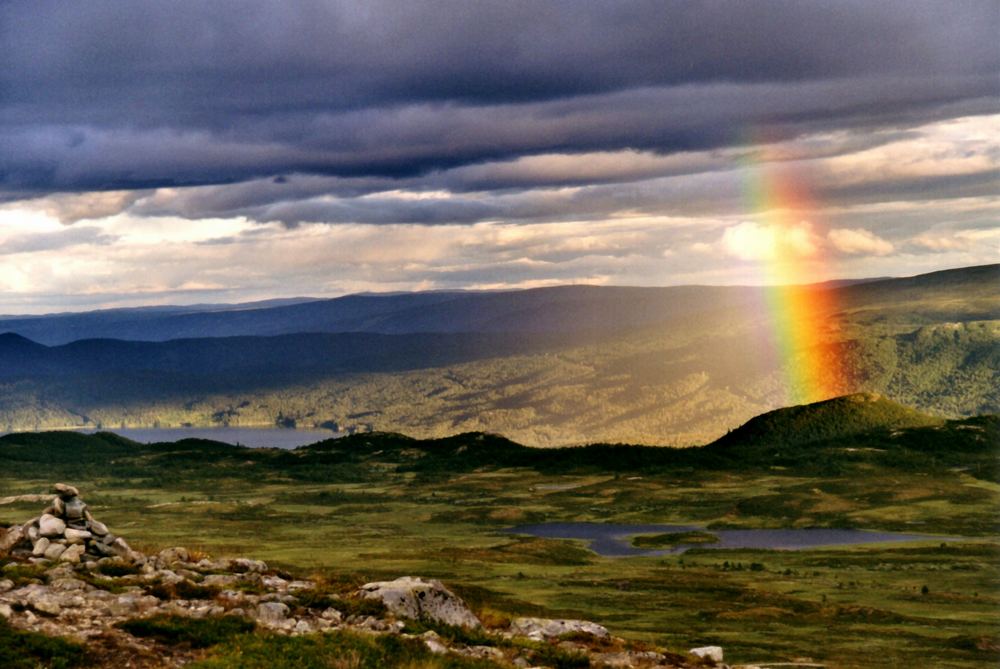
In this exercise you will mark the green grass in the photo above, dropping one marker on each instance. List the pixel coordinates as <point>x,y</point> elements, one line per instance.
<point>191,632</point>
<point>27,650</point>
<point>336,649</point>
<point>378,506</point>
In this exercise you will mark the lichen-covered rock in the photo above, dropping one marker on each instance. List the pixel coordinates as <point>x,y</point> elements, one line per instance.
<point>245,565</point>
<point>547,628</point>
<point>51,526</point>
<point>170,556</point>
<point>54,551</point>
<point>42,545</point>
<point>713,653</point>
<point>76,536</point>
<point>72,554</point>
<point>65,490</point>
<point>272,613</point>
<point>9,538</point>
<point>418,599</point>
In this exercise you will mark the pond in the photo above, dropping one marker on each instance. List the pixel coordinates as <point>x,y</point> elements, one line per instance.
<point>252,437</point>
<point>614,540</point>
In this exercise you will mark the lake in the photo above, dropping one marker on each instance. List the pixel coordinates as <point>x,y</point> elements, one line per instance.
<point>252,437</point>
<point>614,540</point>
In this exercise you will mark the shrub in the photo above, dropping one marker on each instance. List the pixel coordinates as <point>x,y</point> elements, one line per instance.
<point>29,650</point>
<point>336,649</point>
<point>194,632</point>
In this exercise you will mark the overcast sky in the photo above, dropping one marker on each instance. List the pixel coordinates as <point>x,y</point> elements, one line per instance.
<point>176,152</point>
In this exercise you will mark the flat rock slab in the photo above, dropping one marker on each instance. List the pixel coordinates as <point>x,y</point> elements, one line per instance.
<point>547,628</point>
<point>713,653</point>
<point>419,599</point>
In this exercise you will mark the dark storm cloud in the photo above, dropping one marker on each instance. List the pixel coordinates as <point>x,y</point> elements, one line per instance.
<point>137,94</point>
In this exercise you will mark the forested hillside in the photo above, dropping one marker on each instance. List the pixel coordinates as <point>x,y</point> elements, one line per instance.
<point>674,372</point>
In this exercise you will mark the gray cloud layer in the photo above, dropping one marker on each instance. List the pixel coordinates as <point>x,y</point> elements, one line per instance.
<point>141,94</point>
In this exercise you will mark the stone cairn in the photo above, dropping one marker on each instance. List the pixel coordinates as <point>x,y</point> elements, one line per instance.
<point>66,541</point>
<point>67,532</point>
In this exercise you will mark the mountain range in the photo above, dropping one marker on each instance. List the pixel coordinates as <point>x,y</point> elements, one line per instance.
<point>547,366</point>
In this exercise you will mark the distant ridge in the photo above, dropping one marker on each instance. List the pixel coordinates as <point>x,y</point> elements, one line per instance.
<point>837,418</point>
<point>558,309</point>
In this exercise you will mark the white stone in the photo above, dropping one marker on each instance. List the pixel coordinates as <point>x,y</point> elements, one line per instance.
<point>274,583</point>
<point>40,547</point>
<point>65,490</point>
<point>271,613</point>
<point>10,537</point>
<point>72,554</point>
<point>46,603</point>
<point>76,536</point>
<point>171,555</point>
<point>436,647</point>
<point>246,565</point>
<point>418,599</point>
<point>6,584</point>
<point>713,653</point>
<point>220,580</point>
<point>54,551</point>
<point>540,629</point>
<point>50,526</point>
<point>333,615</point>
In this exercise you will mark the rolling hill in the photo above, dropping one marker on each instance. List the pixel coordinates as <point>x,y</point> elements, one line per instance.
<point>567,309</point>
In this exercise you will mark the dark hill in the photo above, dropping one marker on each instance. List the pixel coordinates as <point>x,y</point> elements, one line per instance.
<point>565,309</point>
<point>838,436</point>
<point>837,418</point>
<point>198,365</point>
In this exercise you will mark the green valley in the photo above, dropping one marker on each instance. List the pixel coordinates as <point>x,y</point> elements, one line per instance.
<point>383,505</point>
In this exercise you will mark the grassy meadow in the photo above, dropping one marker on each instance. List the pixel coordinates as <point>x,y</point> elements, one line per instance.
<point>382,505</point>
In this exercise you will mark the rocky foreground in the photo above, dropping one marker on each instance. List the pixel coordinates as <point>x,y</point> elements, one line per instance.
<point>67,575</point>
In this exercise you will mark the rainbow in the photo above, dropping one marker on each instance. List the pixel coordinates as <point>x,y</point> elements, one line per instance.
<point>801,315</point>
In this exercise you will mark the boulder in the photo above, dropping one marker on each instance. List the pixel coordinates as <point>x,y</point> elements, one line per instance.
<point>272,613</point>
<point>120,548</point>
<point>541,629</point>
<point>420,599</point>
<point>98,528</point>
<point>713,653</point>
<point>333,615</point>
<point>31,530</point>
<point>50,526</point>
<point>245,565</point>
<point>76,536</point>
<point>220,580</point>
<point>40,547</point>
<point>65,490</point>
<point>169,556</point>
<point>54,551</point>
<point>72,554</point>
<point>43,602</point>
<point>9,538</point>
